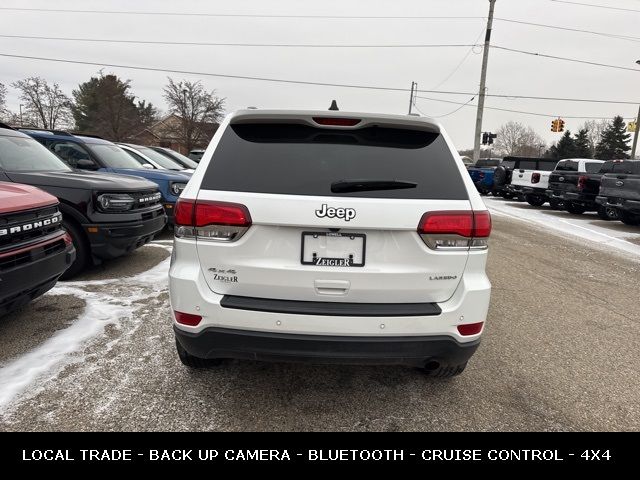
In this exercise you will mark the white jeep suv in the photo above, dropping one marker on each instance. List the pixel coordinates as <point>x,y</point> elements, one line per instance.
<point>330,237</point>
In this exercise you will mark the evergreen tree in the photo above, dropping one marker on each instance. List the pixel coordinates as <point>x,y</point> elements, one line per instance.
<point>582,145</point>
<point>614,142</point>
<point>565,148</point>
<point>105,106</point>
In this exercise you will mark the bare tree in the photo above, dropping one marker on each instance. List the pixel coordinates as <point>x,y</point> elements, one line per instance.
<point>514,138</point>
<point>197,108</point>
<point>45,105</point>
<point>3,102</point>
<point>595,128</point>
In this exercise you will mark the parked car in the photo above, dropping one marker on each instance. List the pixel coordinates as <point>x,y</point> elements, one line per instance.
<point>482,174</point>
<point>34,247</point>
<point>148,156</point>
<point>186,162</point>
<point>106,215</point>
<point>581,165</point>
<point>302,241</point>
<point>503,173</point>
<point>98,155</point>
<point>196,155</point>
<point>620,190</point>
<point>578,190</point>
<point>530,180</point>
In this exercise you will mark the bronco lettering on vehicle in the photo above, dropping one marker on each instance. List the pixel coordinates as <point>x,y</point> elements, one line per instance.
<point>331,212</point>
<point>25,227</point>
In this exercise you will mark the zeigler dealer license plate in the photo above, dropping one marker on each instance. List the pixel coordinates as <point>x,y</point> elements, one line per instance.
<point>333,249</point>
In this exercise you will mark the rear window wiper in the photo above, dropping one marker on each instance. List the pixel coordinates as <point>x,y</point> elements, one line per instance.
<point>363,185</point>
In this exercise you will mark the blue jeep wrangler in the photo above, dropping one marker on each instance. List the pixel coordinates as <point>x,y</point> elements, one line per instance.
<point>96,154</point>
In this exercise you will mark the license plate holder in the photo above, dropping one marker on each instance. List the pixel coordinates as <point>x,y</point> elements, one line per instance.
<point>333,249</point>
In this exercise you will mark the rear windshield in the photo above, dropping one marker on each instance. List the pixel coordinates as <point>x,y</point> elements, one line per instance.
<point>547,166</point>
<point>304,160</point>
<point>629,167</point>
<point>592,167</point>
<point>488,162</point>
<point>567,166</point>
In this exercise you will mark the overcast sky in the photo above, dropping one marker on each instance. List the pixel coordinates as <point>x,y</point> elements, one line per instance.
<point>509,73</point>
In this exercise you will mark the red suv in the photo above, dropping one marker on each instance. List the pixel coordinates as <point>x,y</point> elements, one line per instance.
<point>34,247</point>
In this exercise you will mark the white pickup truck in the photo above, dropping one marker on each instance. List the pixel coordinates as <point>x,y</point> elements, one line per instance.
<point>530,181</point>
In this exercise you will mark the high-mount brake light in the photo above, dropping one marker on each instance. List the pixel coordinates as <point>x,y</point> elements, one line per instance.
<point>211,220</point>
<point>337,121</point>
<point>455,230</point>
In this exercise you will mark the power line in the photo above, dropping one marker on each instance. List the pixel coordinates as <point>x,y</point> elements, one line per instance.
<point>302,82</point>
<point>464,59</point>
<point>217,44</point>
<point>462,105</point>
<point>570,29</point>
<point>567,59</point>
<point>537,114</point>
<point>241,15</point>
<point>597,6</point>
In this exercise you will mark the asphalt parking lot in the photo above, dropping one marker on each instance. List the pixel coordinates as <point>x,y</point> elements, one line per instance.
<point>559,353</point>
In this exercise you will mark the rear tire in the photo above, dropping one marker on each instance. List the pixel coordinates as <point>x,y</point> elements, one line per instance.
<point>445,371</point>
<point>575,209</point>
<point>82,250</point>
<point>608,213</point>
<point>556,204</point>
<point>195,362</point>
<point>535,200</point>
<point>629,218</point>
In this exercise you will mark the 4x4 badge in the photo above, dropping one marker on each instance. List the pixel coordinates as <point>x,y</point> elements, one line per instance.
<point>331,212</point>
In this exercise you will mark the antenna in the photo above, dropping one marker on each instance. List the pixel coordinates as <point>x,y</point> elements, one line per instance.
<point>334,106</point>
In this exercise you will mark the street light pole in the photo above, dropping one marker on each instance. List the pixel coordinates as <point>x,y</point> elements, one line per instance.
<point>483,81</point>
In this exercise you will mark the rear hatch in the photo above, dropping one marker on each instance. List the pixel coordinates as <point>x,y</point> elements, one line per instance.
<point>334,212</point>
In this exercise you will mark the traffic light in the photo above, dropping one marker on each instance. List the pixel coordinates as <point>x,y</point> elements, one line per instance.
<point>485,138</point>
<point>491,137</point>
<point>557,125</point>
<point>632,126</point>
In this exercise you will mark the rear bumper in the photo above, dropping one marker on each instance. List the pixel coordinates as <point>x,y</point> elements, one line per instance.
<point>534,191</point>
<point>25,282</point>
<point>621,203</point>
<point>116,239</point>
<point>215,342</point>
<point>515,189</point>
<point>588,200</point>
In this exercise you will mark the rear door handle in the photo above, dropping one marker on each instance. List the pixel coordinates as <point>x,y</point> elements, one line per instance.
<point>332,287</point>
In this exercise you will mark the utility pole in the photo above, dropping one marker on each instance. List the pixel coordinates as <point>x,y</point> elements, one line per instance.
<point>483,81</point>
<point>635,136</point>
<point>411,96</point>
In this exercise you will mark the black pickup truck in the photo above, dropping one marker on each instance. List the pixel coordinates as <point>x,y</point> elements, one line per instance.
<point>106,215</point>
<point>34,248</point>
<point>578,190</point>
<point>620,189</point>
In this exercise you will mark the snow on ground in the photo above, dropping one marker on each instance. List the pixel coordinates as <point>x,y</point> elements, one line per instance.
<point>104,306</point>
<point>606,234</point>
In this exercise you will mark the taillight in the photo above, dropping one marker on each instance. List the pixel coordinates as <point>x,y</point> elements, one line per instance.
<point>210,220</point>
<point>470,328</point>
<point>187,318</point>
<point>535,177</point>
<point>455,230</point>
<point>337,121</point>
<point>481,175</point>
<point>582,182</point>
